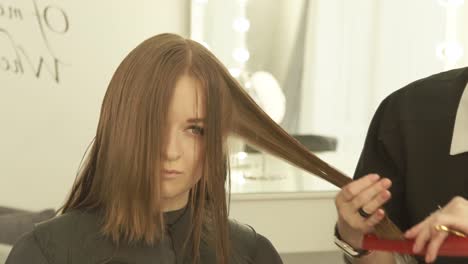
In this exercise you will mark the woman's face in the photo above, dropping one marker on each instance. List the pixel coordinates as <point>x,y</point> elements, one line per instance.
<point>184,149</point>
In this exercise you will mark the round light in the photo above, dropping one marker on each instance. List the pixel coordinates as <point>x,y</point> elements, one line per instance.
<point>241,24</point>
<point>241,55</point>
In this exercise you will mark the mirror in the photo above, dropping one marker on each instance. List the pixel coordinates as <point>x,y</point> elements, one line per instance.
<point>334,61</point>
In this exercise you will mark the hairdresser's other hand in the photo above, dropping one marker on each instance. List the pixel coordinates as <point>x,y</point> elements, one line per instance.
<point>454,216</point>
<point>369,193</point>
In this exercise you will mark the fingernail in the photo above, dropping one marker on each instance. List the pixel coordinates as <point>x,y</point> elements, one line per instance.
<point>386,194</point>
<point>386,183</point>
<point>375,177</point>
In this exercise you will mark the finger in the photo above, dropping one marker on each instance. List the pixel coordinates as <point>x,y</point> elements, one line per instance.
<point>434,245</point>
<point>374,219</point>
<point>369,193</point>
<point>377,202</point>
<point>414,231</point>
<point>421,239</point>
<point>354,188</point>
<point>430,221</point>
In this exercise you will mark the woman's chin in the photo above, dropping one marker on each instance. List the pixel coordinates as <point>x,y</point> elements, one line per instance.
<point>173,193</point>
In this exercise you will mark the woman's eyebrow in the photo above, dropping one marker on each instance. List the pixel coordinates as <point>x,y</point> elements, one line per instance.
<point>195,120</point>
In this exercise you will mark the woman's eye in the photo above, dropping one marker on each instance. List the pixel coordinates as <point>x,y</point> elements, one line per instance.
<point>196,130</point>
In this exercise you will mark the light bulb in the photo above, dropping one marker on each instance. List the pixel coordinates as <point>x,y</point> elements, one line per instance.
<point>241,55</point>
<point>241,24</point>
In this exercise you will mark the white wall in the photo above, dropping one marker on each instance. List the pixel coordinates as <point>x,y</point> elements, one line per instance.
<point>46,126</point>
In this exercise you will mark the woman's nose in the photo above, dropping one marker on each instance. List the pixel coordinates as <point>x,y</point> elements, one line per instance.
<point>173,149</point>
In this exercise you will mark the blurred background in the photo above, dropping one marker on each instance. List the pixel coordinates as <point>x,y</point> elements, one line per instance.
<point>318,67</point>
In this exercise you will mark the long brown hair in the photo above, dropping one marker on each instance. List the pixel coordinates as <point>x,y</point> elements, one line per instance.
<point>120,174</point>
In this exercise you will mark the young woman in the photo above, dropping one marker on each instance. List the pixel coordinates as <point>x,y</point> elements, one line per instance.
<point>152,189</point>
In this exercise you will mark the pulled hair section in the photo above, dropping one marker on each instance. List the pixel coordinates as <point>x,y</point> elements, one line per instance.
<point>253,125</point>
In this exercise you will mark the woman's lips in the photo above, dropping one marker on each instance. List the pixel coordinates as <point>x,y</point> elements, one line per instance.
<point>171,174</point>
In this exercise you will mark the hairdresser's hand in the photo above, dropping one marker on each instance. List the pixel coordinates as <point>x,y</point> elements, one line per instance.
<point>368,193</point>
<point>454,216</point>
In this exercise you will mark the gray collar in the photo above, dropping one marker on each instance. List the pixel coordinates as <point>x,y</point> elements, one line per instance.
<point>460,130</point>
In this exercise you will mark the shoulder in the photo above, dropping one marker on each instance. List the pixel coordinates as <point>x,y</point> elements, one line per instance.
<point>430,97</point>
<point>436,84</point>
<point>66,229</point>
<point>247,242</point>
<point>59,224</point>
<point>54,239</point>
<point>26,250</point>
<point>43,243</point>
<point>243,237</point>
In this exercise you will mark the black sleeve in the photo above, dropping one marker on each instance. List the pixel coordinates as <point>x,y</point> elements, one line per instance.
<point>26,251</point>
<point>383,153</point>
<point>265,252</point>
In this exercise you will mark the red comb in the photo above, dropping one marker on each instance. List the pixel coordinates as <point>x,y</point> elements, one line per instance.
<point>452,246</point>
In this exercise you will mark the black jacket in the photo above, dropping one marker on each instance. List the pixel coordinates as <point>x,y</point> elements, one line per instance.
<point>75,238</point>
